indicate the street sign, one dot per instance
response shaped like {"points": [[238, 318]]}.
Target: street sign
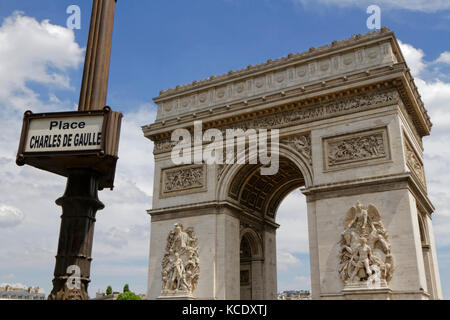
{"points": [[62, 141], [80, 133], [82, 146]]}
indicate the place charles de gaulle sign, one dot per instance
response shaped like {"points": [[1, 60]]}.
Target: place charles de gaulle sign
{"points": [[61, 141]]}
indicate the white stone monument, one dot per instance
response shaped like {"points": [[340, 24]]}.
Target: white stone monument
{"points": [[351, 123]]}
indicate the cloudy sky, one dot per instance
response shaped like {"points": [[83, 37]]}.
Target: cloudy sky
{"points": [[158, 44]]}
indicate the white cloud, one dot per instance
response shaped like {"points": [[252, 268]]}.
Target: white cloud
{"points": [[444, 57], [30, 52], [411, 5], [122, 230], [136, 152], [436, 96], [10, 216], [414, 58], [292, 236], [286, 260], [38, 52]]}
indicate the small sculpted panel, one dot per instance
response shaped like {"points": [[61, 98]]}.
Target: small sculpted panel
{"points": [[365, 147], [183, 179], [301, 144], [414, 162]]}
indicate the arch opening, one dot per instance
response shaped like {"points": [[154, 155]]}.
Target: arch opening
{"points": [[251, 265], [259, 198], [262, 195], [293, 258]]}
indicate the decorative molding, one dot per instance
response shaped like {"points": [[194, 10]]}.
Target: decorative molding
{"points": [[414, 162], [365, 259], [301, 114], [341, 57], [368, 147], [180, 264], [302, 144], [220, 170], [185, 179], [243, 92], [163, 146]]}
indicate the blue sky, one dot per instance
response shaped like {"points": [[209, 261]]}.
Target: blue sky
{"points": [[159, 44]]}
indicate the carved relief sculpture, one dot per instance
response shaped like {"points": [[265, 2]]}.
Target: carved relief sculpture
{"points": [[359, 148], [414, 163], [302, 144], [365, 255], [346, 151], [180, 265], [185, 179]]}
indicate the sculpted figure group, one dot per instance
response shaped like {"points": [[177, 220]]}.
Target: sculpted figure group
{"points": [[183, 179], [360, 148], [365, 254], [180, 265]]}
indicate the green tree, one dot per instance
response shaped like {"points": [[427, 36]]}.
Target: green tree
{"points": [[109, 291], [126, 288], [128, 296]]}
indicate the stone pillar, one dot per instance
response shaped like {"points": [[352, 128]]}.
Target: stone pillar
{"points": [[313, 249], [397, 210], [435, 282], [257, 279], [227, 278], [270, 264], [218, 246]]}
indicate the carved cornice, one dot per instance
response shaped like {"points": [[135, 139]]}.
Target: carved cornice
{"points": [[208, 208], [322, 71], [380, 183], [297, 113], [413, 104], [314, 92], [327, 73], [311, 53]]}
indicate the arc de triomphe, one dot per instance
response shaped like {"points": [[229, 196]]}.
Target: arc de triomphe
{"points": [[351, 123]]}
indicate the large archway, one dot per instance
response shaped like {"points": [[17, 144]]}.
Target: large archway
{"points": [[351, 124], [259, 198]]}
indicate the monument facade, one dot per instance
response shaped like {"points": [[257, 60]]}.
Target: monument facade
{"points": [[351, 123]]}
